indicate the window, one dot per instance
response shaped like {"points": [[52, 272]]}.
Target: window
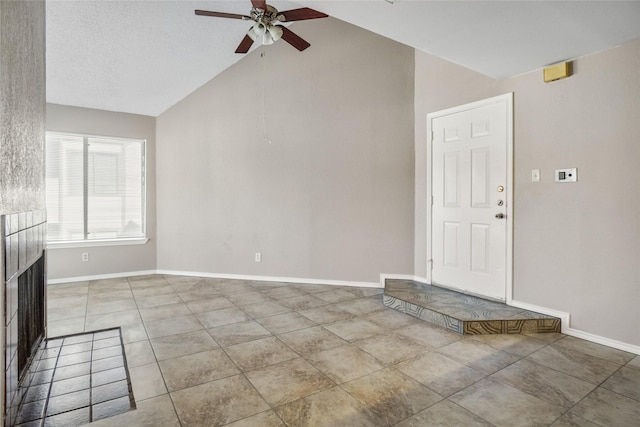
{"points": [[94, 188]]}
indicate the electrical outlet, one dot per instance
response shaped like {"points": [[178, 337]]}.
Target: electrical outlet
{"points": [[258, 257], [85, 256]]}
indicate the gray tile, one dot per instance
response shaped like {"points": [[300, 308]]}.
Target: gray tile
{"points": [[547, 384], [111, 307], [520, 345], [206, 305], [431, 336], [391, 348], [354, 329], [444, 413], [570, 420], [286, 322], [634, 363], [156, 411], [225, 316], [70, 385], [111, 408], [182, 344], [133, 333], [218, 402], [263, 419], [440, 373], [157, 300], [329, 408], [283, 292], [139, 353], [302, 302], [311, 340], [164, 312], [597, 350], [194, 369], [362, 306], [392, 319], [334, 295], [110, 320], [503, 405], [288, 381], [146, 291], [626, 381], [260, 353], [344, 363], [326, 314], [147, 381], [391, 395], [607, 408], [65, 327], [478, 355], [242, 300], [238, 333], [172, 326], [265, 309], [63, 313], [575, 363]]}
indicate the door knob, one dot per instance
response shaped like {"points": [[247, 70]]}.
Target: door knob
{"points": [[500, 215]]}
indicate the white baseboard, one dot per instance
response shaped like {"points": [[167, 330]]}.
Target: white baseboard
{"points": [[568, 330], [99, 277], [217, 276], [603, 340], [271, 278]]}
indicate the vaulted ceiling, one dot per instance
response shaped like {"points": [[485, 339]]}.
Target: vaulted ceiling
{"points": [[144, 56]]}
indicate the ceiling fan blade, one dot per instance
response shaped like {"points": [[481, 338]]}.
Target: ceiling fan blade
{"points": [[302, 14], [221, 14], [293, 39], [259, 4], [244, 45]]}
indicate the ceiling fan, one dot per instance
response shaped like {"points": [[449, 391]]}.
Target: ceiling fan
{"points": [[266, 29]]}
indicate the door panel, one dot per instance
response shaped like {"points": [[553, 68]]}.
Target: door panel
{"points": [[469, 168]]}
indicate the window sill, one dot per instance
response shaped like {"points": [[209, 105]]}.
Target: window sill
{"points": [[97, 243]]}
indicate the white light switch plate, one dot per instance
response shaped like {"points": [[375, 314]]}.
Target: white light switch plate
{"points": [[535, 175]]}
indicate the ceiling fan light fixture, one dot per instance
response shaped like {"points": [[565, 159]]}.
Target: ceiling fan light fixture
{"points": [[259, 28], [275, 32]]}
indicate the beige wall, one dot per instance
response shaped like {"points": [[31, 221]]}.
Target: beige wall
{"points": [[22, 100], [576, 246], [330, 197], [67, 263]]}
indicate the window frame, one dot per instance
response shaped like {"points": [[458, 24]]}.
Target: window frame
{"points": [[118, 241]]}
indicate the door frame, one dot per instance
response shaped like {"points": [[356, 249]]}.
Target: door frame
{"points": [[507, 99]]}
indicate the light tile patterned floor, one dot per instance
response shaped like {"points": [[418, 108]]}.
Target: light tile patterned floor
{"points": [[213, 352]]}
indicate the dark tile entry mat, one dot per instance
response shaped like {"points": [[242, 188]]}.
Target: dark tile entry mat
{"points": [[77, 379]]}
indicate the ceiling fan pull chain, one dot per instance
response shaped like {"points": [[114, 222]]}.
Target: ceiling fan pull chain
{"points": [[263, 55]]}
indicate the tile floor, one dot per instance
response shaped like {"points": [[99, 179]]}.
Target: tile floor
{"points": [[77, 379], [213, 352]]}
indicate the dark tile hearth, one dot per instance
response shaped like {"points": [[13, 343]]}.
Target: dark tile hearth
{"points": [[72, 385], [461, 313]]}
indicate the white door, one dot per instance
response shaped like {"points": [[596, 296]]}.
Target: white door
{"points": [[471, 179]]}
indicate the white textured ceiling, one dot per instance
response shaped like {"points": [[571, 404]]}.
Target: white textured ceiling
{"points": [[144, 56]]}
